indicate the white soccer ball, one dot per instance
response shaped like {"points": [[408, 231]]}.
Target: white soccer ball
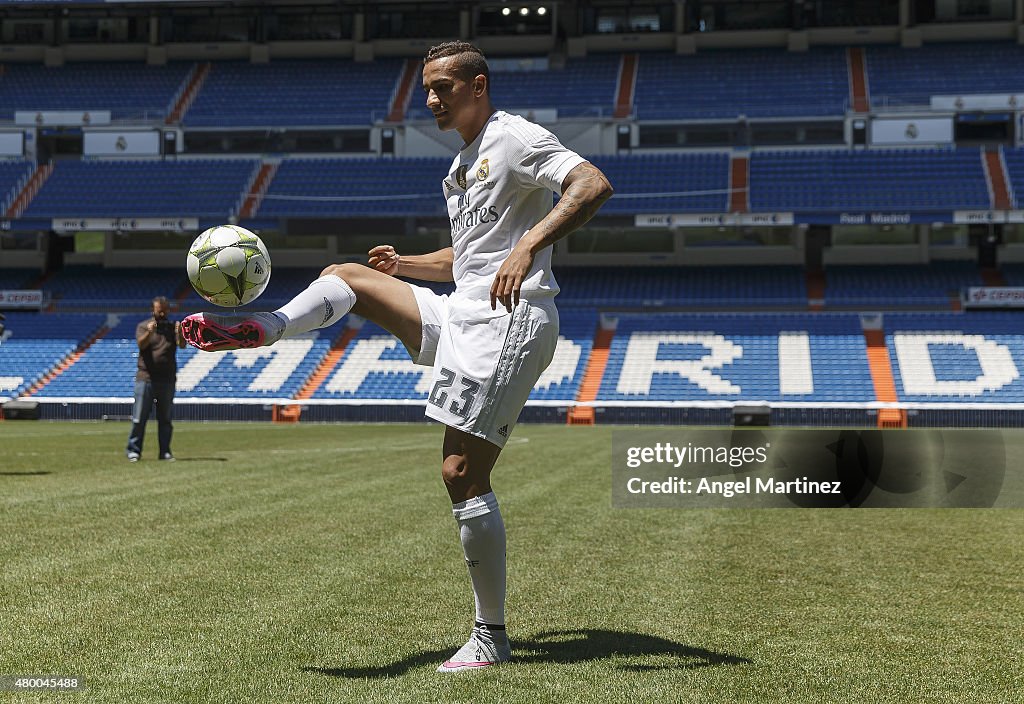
{"points": [[228, 265]]}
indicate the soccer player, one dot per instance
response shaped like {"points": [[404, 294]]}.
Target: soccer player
{"points": [[490, 340]]}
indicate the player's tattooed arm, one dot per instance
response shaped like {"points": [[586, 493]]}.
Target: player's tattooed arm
{"points": [[584, 191], [436, 266]]}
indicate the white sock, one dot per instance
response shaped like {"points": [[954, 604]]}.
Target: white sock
{"points": [[483, 541], [322, 304]]}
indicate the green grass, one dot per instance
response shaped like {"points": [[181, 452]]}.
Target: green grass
{"points": [[321, 564]]}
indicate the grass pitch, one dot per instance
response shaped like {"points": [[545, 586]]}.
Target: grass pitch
{"points": [[321, 563]]}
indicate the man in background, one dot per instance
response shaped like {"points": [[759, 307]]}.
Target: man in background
{"points": [[158, 339]]}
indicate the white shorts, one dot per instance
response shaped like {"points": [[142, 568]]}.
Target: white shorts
{"points": [[486, 362]]}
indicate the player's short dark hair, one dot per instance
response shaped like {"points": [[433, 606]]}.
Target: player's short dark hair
{"points": [[161, 300], [469, 64]]}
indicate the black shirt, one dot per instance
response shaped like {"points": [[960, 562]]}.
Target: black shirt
{"points": [[157, 360]]}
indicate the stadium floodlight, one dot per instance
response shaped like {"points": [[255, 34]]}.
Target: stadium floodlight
{"points": [[542, 10], [505, 12], [524, 11]]}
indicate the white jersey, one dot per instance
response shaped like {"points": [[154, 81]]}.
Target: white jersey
{"points": [[498, 188]]}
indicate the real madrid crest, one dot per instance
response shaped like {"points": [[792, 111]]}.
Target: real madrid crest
{"points": [[483, 171], [460, 176]]}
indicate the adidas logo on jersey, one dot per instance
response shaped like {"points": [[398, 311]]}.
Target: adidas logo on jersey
{"points": [[328, 311], [503, 431]]}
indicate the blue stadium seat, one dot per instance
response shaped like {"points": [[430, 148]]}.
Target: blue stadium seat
{"points": [[35, 343], [666, 183], [114, 288], [17, 278], [357, 187], [129, 90], [657, 286], [956, 357], [13, 175], [107, 369], [895, 285], [737, 357], [898, 179], [334, 92], [1014, 160], [719, 84], [144, 188], [899, 77], [584, 87]]}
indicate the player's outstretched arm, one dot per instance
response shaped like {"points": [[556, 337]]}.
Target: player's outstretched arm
{"points": [[584, 191], [436, 266]]}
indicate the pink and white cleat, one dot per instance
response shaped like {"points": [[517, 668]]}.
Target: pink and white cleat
{"points": [[213, 332], [484, 648]]}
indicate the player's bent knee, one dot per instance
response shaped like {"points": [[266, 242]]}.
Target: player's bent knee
{"points": [[355, 275], [347, 271]]}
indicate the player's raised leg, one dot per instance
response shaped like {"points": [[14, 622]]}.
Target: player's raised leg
{"points": [[341, 288], [466, 470]]}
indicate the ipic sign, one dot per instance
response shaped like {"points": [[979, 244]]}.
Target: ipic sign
{"points": [[787, 468]]}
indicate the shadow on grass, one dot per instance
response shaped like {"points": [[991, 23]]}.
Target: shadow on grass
{"points": [[565, 647], [24, 474], [200, 459]]}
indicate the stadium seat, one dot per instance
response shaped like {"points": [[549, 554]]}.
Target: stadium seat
{"points": [[144, 188]]}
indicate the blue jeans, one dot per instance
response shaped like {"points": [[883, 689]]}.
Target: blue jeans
{"points": [[146, 392]]}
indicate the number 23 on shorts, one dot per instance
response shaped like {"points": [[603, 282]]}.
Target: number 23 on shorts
{"points": [[439, 395]]}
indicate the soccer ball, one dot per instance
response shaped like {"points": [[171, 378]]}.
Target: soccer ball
{"points": [[228, 265]]}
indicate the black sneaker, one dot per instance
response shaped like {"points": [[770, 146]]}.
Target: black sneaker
{"points": [[167, 456]]}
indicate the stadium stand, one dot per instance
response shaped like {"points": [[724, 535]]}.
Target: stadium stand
{"points": [[1013, 274], [274, 372], [899, 179], [294, 93], [737, 357], [376, 366], [94, 286], [36, 343], [656, 356], [126, 189], [12, 174], [754, 83], [831, 180], [356, 187], [681, 286], [585, 87], [107, 368], [17, 278], [130, 91], [950, 358], [901, 77], [561, 380], [1014, 160], [684, 183], [408, 186], [895, 285]]}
